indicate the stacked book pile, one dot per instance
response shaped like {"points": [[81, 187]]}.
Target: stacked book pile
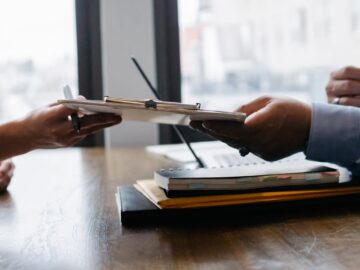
{"points": [[238, 185]]}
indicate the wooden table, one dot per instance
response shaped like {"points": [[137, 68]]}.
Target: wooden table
{"points": [[60, 213]]}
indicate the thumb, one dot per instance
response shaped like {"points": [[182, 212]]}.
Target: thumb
{"points": [[254, 105]]}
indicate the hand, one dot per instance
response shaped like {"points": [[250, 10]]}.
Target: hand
{"points": [[6, 173], [345, 85], [50, 127], [274, 127]]}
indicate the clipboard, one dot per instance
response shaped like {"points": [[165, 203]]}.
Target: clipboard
{"points": [[150, 110]]}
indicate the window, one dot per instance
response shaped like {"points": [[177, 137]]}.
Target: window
{"points": [[232, 51], [38, 54], [43, 46]]}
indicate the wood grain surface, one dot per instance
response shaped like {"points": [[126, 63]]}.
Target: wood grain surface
{"points": [[60, 213]]}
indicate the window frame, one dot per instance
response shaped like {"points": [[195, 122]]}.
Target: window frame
{"points": [[88, 32], [168, 65]]}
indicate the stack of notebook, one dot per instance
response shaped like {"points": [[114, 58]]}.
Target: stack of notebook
{"points": [[237, 185], [288, 174]]}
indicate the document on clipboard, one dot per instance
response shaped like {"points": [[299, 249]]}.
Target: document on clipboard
{"points": [[151, 110]]}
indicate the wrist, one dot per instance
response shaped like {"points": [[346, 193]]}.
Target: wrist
{"points": [[307, 126], [28, 138], [12, 142], [20, 135]]}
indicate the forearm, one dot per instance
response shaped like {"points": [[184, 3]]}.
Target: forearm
{"points": [[335, 135], [14, 140]]}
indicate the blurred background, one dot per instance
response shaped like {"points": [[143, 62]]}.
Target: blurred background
{"points": [[239, 49], [38, 53], [220, 53]]}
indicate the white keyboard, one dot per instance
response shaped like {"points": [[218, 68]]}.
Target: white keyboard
{"points": [[213, 154]]}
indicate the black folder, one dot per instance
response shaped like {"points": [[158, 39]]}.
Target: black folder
{"points": [[136, 210]]}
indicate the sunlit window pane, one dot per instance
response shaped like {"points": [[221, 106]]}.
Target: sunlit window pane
{"points": [[235, 50], [37, 53]]}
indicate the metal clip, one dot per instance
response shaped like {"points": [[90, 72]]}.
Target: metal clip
{"points": [[150, 104]]}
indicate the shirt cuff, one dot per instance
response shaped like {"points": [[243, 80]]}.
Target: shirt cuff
{"points": [[334, 134]]}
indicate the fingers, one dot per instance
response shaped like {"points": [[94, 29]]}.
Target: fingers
{"points": [[6, 166], [74, 140], [346, 73], [91, 126], [95, 128], [4, 183], [198, 125], [62, 112], [63, 134], [338, 88], [255, 105], [344, 83], [89, 121], [229, 132], [221, 128], [77, 137], [6, 173], [99, 119], [350, 101]]}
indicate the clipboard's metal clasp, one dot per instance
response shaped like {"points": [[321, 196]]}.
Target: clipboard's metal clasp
{"points": [[150, 104]]}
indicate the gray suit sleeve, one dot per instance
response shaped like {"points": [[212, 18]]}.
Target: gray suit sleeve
{"points": [[335, 136]]}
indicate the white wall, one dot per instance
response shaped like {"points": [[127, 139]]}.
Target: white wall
{"points": [[127, 29]]}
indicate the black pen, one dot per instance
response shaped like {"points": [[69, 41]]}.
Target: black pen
{"points": [[74, 117], [177, 130]]}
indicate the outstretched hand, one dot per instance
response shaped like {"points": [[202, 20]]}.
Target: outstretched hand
{"points": [[49, 127], [274, 127]]}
